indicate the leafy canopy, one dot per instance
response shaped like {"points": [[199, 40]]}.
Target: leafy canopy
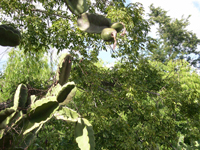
{"points": [[30, 69]]}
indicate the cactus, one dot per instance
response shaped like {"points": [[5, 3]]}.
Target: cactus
{"points": [[64, 68], [65, 91], [77, 7], [1, 133], [93, 23], [5, 116], [19, 127], [46, 106], [67, 114], [32, 99], [9, 36], [84, 134], [21, 96]]}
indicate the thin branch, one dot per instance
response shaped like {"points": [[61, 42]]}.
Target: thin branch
{"points": [[45, 12], [152, 93]]}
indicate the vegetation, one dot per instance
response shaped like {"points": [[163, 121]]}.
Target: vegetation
{"points": [[148, 100], [30, 69]]}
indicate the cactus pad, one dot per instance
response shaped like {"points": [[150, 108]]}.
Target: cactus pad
{"points": [[67, 114], [5, 116], [93, 23], [65, 91], [9, 36], [84, 135], [64, 68], [77, 7], [20, 97], [40, 112]]}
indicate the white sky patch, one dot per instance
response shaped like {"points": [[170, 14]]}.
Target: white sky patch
{"points": [[177, 9], [110, 65], [4, 56]]}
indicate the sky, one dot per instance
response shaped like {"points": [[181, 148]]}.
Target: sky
{"points": [[175, 8]]}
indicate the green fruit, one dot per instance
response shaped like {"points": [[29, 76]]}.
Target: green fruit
{"points": [[9, 36], [109, 34], [118, 26], [93, 23], [77, 7]]}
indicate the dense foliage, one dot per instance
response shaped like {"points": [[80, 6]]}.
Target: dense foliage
{"points": [[148, 100], [176, 42], [30, 69]]}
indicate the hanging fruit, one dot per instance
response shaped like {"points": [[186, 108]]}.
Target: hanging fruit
{"points": [[109, 35], [77, 7], [9, 36], [118, 26], [93, 23]]}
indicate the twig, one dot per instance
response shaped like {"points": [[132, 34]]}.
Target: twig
{"points": [[45, 12], [124, 29]]}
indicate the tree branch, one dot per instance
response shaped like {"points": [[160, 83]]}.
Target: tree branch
{"points": [[45, 12]]}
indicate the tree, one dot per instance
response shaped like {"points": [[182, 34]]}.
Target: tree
{"points": [[175, 40], [143, 107], [30, 69], [55, 26]]}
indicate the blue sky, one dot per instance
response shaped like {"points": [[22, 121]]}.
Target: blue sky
{"points": [[197, 4], [175, 9]]}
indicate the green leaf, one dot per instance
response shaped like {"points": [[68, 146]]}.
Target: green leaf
{"points": [[6, 141], [29, 138]]}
